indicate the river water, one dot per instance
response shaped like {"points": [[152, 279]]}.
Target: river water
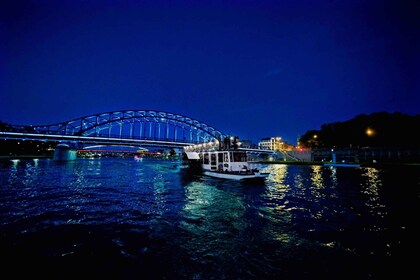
{"points": [[127, 219]]}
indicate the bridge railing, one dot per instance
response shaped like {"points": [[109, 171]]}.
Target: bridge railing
{"points": [[29, 130], [98, 137]]}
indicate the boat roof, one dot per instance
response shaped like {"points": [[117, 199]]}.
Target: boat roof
{"points": [[192, 155]]}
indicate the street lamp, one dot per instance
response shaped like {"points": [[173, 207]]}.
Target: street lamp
{"points": [[370, 132]]}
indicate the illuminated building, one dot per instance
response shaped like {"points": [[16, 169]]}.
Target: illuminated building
{"points": [[272, 143]]}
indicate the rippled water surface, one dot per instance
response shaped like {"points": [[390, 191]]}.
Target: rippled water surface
{"points": [[150, 219]]}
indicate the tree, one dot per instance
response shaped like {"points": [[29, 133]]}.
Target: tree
{"points": [[375, 130]]}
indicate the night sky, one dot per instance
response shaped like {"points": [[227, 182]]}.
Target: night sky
{"points": [[253, 69]]}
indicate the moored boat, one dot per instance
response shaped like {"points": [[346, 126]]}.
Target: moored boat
{"points": [[224, 163]]}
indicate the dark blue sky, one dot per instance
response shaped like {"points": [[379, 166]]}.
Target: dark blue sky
{"points": [[249, 68]]}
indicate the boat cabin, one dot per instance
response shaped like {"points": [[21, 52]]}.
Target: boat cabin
{"points": [[225, 162], [222, 161]]}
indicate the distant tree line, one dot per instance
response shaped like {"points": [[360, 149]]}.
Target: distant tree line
{"points": [[374, 130], [5, 127]]}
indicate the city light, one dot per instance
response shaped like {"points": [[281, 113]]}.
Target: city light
{"points": [[370, 132]]}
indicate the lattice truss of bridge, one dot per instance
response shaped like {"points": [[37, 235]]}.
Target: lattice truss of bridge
{"points": [[131, 124]]}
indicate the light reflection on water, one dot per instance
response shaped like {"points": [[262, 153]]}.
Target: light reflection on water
{"points": [[333, 175], [277, 188], [371, 189], [317, 178], [314, 216], [212, 223]]}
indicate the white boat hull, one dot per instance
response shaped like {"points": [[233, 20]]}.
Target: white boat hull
{"points": [[236, 176]]}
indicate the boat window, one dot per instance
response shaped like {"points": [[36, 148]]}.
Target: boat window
{"points": [[220, 157], [225, 157], [239, 157], [213, 159], [206, 158]]}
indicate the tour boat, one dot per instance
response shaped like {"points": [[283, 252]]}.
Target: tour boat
{"points": [[224, 163]]}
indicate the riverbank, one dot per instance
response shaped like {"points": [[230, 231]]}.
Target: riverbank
{"points": [[290, 162], [378, 164], [24, 157]]}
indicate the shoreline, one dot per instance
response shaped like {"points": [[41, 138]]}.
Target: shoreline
{"points": [[378, 164], [25, 157]]}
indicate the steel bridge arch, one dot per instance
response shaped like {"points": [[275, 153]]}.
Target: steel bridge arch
{"points": [[134, 124]]}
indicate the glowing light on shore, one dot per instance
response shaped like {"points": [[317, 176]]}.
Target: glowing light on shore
{"points": [[370, 132]]}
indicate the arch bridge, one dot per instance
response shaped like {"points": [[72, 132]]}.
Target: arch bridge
{"points": [[129, 127]]}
